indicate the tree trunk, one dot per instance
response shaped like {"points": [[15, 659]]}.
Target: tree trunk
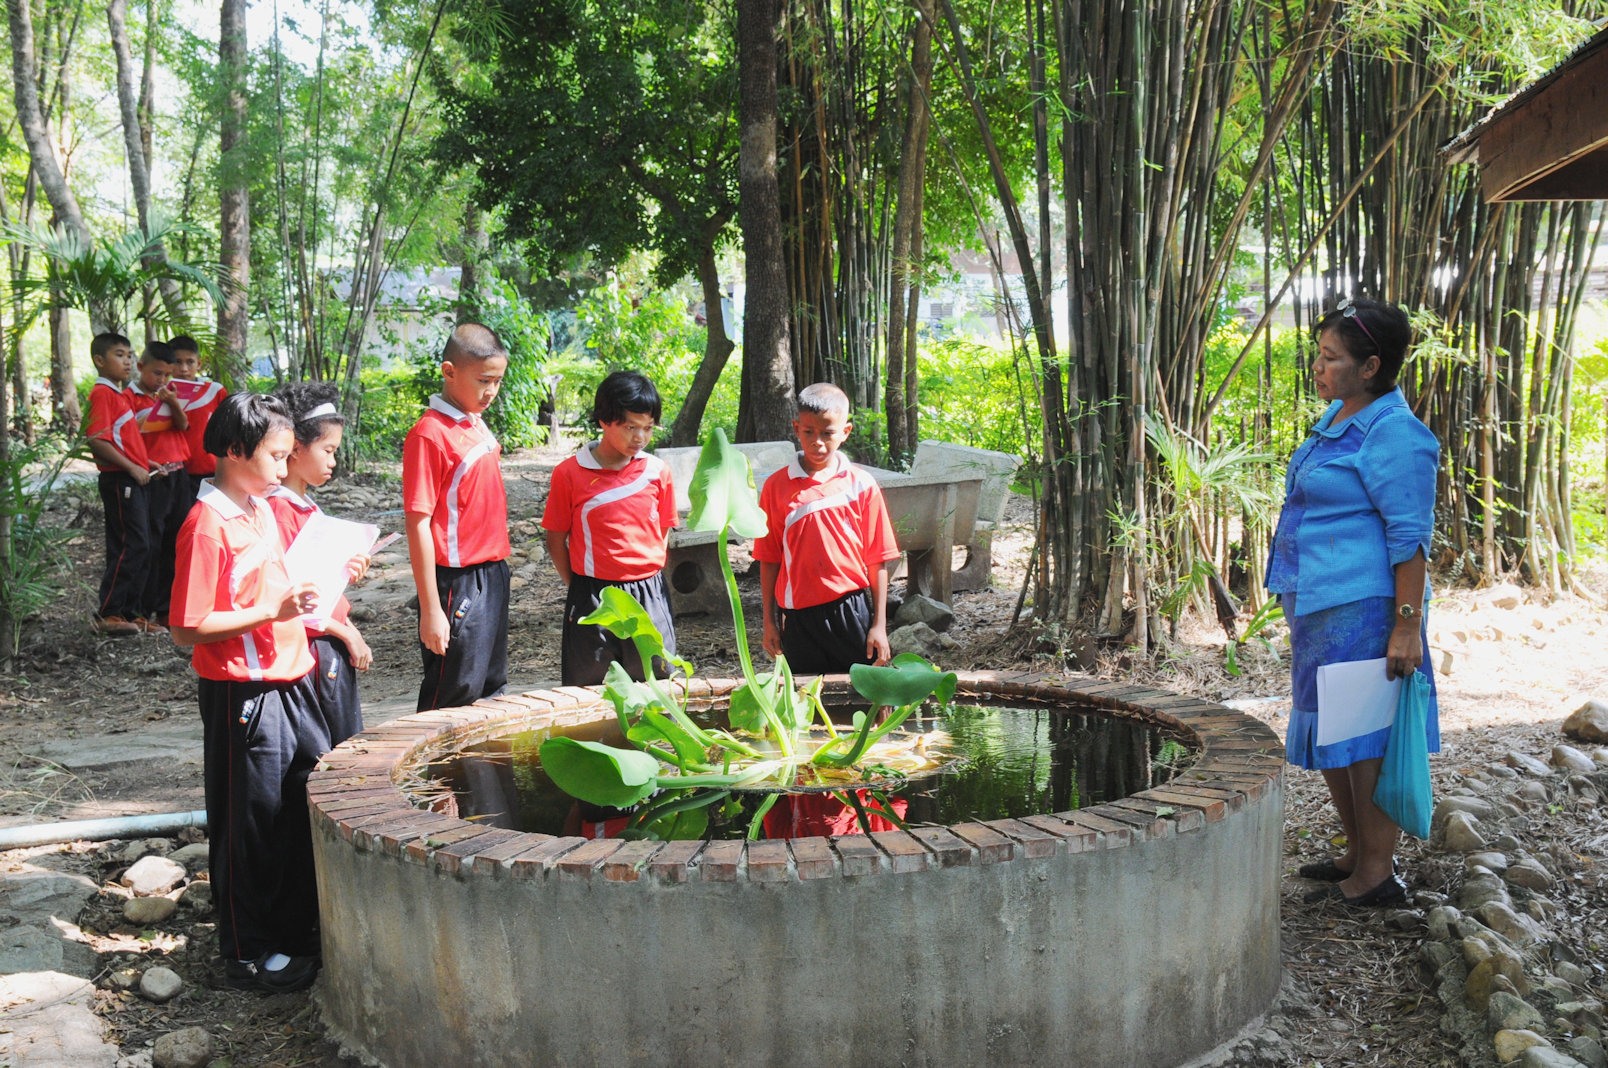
{"points": [[30, 117], [765, 409], [136, 145], [230, 362], [907, 218], [717, 350], [474, 250]]}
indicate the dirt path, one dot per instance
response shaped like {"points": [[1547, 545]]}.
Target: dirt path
{"points": [[93, 727]]}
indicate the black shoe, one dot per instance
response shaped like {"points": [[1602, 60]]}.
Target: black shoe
{"points": [[254, 974], [1389, 892], [1324, 871]]}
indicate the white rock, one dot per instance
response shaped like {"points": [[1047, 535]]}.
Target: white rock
{"points": [[1510, 1045], [160, 984], [153, 875], [144, 911], [1589, 722], [1569, 758], [1505, 596], [1474, 806], [189, 1048], [1546, 1057], [1496, 862], [1533, 791], [1520, 930]]}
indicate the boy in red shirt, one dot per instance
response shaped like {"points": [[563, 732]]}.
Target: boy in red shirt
{"points": [[234, 602], [457, 524], [821, 562], [200, 399], [162, 421], [125, 471], [609, 511]]}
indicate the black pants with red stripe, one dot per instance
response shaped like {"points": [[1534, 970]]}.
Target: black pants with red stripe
{"points": [[170, 497], [475, 599], [260, 742], [828, 639], [128, 545], [335, 681]]}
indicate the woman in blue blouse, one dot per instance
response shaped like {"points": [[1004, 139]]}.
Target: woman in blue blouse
{"points": [[1348, 563]]}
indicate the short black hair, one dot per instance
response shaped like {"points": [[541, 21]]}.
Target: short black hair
{"points": [[625, 391], [823, 398], [185, 343], [304, 398], [242, 421], [160, 351], [1367, 327], [101, 344], [471, 341]]}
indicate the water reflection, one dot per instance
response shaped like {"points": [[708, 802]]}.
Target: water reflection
{"points": [[1019, 762]]}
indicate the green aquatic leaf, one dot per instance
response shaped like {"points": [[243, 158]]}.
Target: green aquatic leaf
{"points": [[751, 703], [628, 696], [656, 726], [722, 491], [906, 680], [598, 773], [624, 617]]}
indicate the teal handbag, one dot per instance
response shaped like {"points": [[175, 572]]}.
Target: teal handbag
{"points": [[1403, 791]]}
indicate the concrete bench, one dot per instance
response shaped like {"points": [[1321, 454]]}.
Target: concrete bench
{"points": [[935, 459]]}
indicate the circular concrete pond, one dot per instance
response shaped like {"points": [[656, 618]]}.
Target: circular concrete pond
{"points": [[1143, 931]]}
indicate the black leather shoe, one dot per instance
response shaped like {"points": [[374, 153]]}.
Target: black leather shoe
{"points": [[254, 974], [1324, 871]]}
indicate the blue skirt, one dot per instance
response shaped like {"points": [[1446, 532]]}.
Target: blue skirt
{"points": [[1359, 630]]}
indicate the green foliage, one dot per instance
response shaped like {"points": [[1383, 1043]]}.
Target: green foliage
{"points": [[34, 565], [652, 334], [971, 394]]}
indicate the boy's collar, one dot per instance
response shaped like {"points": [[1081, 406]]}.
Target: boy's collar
{"points": [[222, 503], [450, 410], [102, 380], [836, 464], [587, 459]]}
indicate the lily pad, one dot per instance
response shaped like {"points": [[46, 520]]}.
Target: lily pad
{"points": [[906, 679]]}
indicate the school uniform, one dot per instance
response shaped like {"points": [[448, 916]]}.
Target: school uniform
{"points": [[617, 523], [827, 531], [200, 399], [168, 495], [128, 519], [334, 677], [450, 472], [262, 731]]}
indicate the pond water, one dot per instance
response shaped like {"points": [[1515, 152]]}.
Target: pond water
{"points": [[1007, 762]]}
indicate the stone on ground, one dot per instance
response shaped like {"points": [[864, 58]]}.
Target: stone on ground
{"points": [[920, 639], [192, 856], [1528, 764], [153, 875], [1569, 758], [188, 1048], [1512, 1013], [1510, 1045], [1462, 833], [920, 608], [1546, 1057], [144, 911], [160, 984], [1589, 722]]}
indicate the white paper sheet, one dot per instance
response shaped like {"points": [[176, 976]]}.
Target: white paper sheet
{"points": [[1355, 698], [320, 553]]}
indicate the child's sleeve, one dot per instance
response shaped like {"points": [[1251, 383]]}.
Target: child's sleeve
{"points": [[877, 538], [101, 417], [556, 515], [768, 549], [197, 576], [669, 518], [422, 473]]}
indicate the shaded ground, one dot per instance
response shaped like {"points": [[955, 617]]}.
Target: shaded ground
{"points": [[1354, 994]]}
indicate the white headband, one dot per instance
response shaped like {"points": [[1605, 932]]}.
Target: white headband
{"points": [[319, 410]]}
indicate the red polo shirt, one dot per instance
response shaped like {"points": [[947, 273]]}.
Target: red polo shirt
{"points": [[617, 521], [291, 512], [163, 443], [450, 473], [827, 531], [230, 558], [111, 418], [200, 400]]}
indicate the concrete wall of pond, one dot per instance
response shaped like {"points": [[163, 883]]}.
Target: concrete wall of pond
{"points": [[1139, 933]]}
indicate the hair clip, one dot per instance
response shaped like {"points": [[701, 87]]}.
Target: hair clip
{"points": [[1348, 309]]}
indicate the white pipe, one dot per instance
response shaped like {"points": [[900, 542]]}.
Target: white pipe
{"points": [[162, 823]]}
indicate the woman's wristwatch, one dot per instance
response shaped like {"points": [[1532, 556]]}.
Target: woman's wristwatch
{"points": [[1408, 611]]}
